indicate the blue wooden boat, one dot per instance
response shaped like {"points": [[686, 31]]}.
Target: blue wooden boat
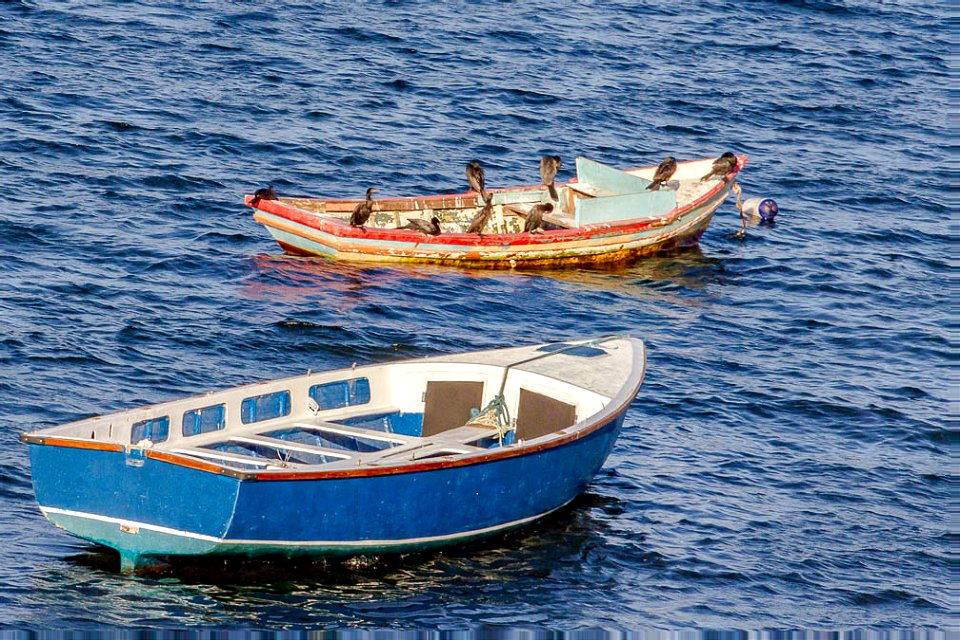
{"points": [[373, 459]]}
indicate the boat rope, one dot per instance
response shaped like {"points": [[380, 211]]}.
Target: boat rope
{"points": [[743, 219], [496, 415]]}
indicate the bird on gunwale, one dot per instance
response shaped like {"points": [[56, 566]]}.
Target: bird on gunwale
{"points": [[534, 221], [549, 166], [721, 166], [483, 216], [475, 177], [664, 172], [361, 212], [431, 228], [264, 193]]}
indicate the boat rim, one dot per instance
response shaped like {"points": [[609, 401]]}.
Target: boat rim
{"points": [[617, 405], [340, 227]]}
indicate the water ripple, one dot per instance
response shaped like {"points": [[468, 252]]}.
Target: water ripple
{"points": [[786, 463]]}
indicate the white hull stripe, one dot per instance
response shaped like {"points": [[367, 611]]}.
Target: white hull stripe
{"points": [[128, 523], [292, 543]]}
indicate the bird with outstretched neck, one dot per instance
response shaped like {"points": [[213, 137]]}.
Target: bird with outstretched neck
{"points": [[721, 167], [664, 172], [475, 177], [534, 222], [431, 228], [549, 166], [483, 217], [361, 212]]}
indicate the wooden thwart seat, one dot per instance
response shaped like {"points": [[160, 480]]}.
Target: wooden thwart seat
{"points": [[448, 409], [557, 218], [354, 431], [294, 446], [589, 190], [210, 455]]}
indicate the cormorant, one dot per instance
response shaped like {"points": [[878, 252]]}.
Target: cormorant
{"points": [[431, 228], [361, 212], [535, 217], [721, 166], [549, 166], [475, 178], [664, 172], [265, 193], [483, 216]]}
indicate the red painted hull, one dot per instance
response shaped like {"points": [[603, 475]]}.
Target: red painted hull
{"points": [[305, 232]]}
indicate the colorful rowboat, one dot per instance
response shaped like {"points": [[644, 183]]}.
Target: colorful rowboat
{"points": [[603, 216], [367, 460]]}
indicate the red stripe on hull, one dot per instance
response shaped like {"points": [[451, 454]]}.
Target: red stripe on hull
{"points": [[595, 244]]}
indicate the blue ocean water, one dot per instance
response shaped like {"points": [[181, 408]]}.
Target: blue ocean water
{"points": [[786, 463]]}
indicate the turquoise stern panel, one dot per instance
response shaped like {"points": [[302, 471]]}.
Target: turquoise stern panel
{"points": [[621, 196], [626, 207], [608, 179]]}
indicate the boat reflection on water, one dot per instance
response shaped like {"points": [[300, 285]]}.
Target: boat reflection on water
{"points": [[292, 278], [647, 277], [344, 285]]}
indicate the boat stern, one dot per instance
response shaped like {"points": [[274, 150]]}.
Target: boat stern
{"points": [[119, 497]]}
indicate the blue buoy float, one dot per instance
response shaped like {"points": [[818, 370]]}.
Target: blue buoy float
{"points": [[764, 208]]}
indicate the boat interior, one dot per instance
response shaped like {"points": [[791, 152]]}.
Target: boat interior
{"points": [[600, 193], [375, 415]]}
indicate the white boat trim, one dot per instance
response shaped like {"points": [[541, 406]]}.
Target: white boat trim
{"points": [[127, 524], [133, 526], [593, 387]]}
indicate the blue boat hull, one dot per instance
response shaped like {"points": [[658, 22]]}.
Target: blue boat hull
{"points": [[148, 508]]}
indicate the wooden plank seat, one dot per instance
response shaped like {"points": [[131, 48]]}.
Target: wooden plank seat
{"points": [[429, 449], [258, 438], [446, 442], [454, 440], [294, 446], [415, 205], [589, 190], [558, 219], [210, 455], [562, 220], [464, 434], [353, 431], [336, 455]]}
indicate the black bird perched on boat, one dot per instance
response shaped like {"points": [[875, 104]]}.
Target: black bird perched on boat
{"points": [[663, 173], [721, 166], [535, 217], [361, 212], [549, 166], [483, 217], [431, 228], [475, 178], [265, 193]]}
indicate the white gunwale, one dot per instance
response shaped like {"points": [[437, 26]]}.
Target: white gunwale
{"points": [[598, 387]]}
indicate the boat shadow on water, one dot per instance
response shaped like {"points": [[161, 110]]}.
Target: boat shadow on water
{"points": [[346, 285], [574, 534]]}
